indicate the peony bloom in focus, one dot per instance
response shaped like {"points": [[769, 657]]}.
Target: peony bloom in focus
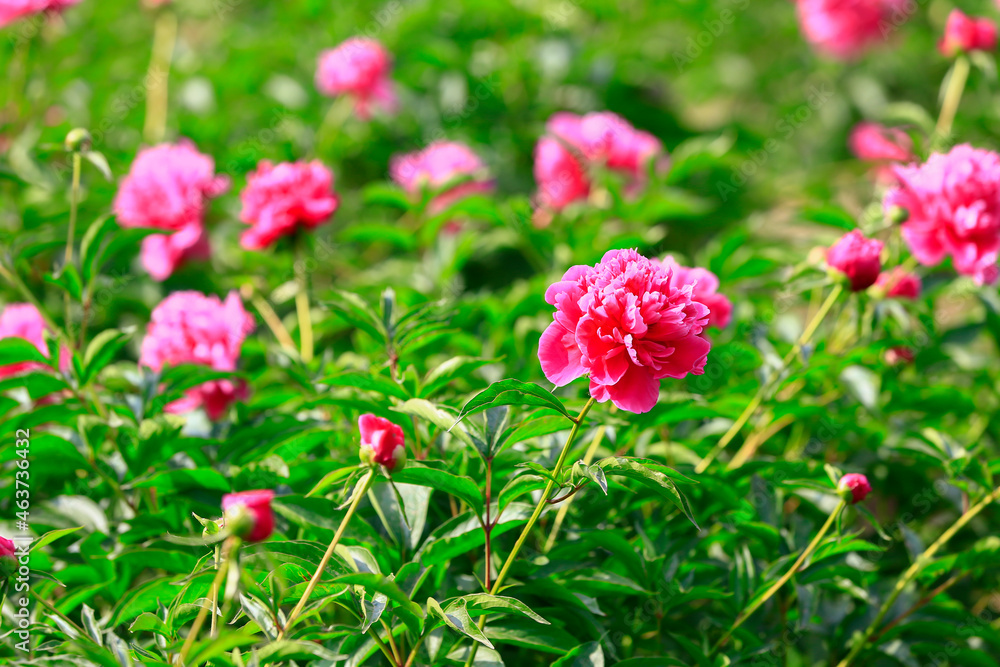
{"points": [[953, 207], [358, 67], [280, 199], [22, 320], [8, 558], [854, 487], [441, 164], [899, 283], [191, 328], [706, 286], [964, 33], [845, 29], [381, 442], [857, 257], [168, 187], [576, 144], [249, 514], [627, 324], [12, 10]]}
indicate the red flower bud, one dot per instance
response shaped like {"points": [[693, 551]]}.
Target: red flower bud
{"points": [[249, 514], [854, 487], [858, 258], [8, 558], [965, 33], [381, 442]]}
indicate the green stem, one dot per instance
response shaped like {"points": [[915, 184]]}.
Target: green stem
{"points": [[199, 620], [302, 301], [758, 398], [65, 619], [397, 658], [413, 653], [382, 647], [914, 570], [952, 97], [542, 502], [359, 492], [755, 605], [164, 38], [564, 509], [74, 203]]}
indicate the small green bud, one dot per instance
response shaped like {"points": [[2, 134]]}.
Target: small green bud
{"points": [[78, 140]]}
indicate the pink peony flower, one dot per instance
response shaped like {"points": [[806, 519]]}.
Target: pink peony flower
{"points": [[167, 188], [249, 513], [899, 283], [441, 164], [895, 356], [381, 442], [706, 286], [358, 67], [280, 199], [22, 320], [845, 29], [871, 141], [953, 207], [854, 487], [191, 328], [963, 34], [575, 144], [12, 10], [858, 257], [628, 324], [8, 558]]}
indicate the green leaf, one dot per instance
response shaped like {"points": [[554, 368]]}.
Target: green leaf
{"points": [[454, 368], [410, 613], [376, 383], [457, 618], [512, 392], [460, 487], [14, 350], [52, 536], [584, 655], [101, 351], [149, 622], [485, 602], [625, 467], [437, 415]]}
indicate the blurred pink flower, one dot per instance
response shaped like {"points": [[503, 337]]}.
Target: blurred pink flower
{"points": [[953, 207], [382, 442], [167, 188], [252, 508], [899, 283], [22, 320], [574, 144], [358, 67], [845, 29], [854, 487], [623, 323], [706, 290], [858, 257], [441, 164], [8, 559], [896, 356], [12, 10], [964, 33], [192, 328], [876, 143], [280, 199]]}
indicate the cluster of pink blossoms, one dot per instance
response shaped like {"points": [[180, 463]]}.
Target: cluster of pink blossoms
{"points": [[964, 33], [167, 188], [953, 207], [574, 145], [439, 165], [627, 324], [12, 10], [359, 67], [191, 328], [845, 29], [22, 320], [280, 199]]}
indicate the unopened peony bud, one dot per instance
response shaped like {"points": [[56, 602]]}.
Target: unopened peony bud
{"points": [[8, 558], [965, 33], [858, 258], [381, 442], [853, 487], [249, 514], [79, 139]]}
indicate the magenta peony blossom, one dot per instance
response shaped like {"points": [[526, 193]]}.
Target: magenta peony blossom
{"points": [[441, 164], [12, 10], [576, 144], [22, 320], [854, 487], [899, 283], [8, 558], [279, 199], [845, 29], [858, 257], [168, 188], [628, 324], [382, 442], [964, 33], [706, 291], [191, 328], [358, 67], [953, 207], [250, 513]]}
